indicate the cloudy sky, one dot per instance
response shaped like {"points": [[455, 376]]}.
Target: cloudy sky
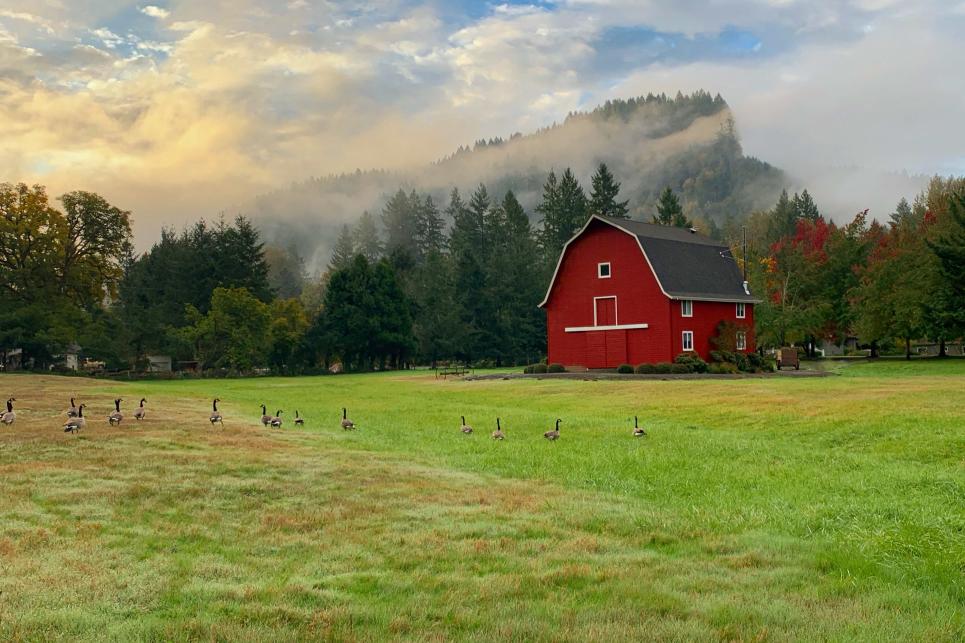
{"points": [[178, 109]]}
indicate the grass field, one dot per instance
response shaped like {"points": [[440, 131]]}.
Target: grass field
{"points": [[758, 509]]}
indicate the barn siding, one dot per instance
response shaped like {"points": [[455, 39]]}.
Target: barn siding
{"points": [[639, 301]]}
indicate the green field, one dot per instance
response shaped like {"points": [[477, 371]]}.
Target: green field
{"points": [[756, 509]]}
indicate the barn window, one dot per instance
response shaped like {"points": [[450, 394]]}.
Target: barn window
{"points": [[741, 341], [686, 308], [688, 340], [740, 310], [603, 270]]}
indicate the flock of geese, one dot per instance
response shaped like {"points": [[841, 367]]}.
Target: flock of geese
{"points": [[76, 420]]}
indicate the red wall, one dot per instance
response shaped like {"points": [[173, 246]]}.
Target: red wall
{"points": [[639, 301]]}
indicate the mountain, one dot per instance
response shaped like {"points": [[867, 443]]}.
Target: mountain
{"points": [[688, 142]]}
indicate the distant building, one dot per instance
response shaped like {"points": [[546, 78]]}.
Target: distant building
{"points": [[159, 363], [626, 292]]}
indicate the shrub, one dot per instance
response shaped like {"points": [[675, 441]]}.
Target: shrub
{"points": [[722, 368], [662, 367], [723, 357], [539, 368], [528, 369], [680, 369], [624, 368], [755, 361], [741, 360], [555, 368], [644, 369], [693, 360]]}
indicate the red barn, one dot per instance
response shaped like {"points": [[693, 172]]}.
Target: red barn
{"points": [[626, 292]]}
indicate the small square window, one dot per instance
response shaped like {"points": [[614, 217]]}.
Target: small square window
{"points": [[741, 311], [741, 341], [688, 340], [603, 270], [686, 308]]}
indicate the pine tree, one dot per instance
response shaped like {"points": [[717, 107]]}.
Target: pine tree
{"points": [[783, 219], [366, 238], [603, 199], [564, 210], [344, 250], [400, 218], [949, 248], [805, 207], [902, 213], [431, 234], [669, 210]]}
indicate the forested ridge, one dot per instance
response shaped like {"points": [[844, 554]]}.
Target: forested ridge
{"points": [[686, 142]]}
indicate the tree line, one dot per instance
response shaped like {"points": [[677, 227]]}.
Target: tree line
{"points": [[881, 285], [422, 282]]}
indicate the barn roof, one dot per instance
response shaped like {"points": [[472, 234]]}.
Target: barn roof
{"points": [[687, 265]]}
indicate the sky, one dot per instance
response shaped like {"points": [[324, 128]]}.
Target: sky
{"points": [[178, 109]]}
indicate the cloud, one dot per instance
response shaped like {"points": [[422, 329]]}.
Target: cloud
{"points": [[186, 109], [155, 12]]}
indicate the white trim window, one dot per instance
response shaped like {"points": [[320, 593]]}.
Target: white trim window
{"points": [[741, 340], [741, 310], [603, 270], [686, 308], [687, 340]]}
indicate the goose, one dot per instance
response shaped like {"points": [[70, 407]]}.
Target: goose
{"points": [[299, 421], [347, 424], [75, 424], [140, 411], [72, 411], [498, 433], [265, 418], [215, 415], [637, 431], [8, 417], [116, 417], [465, 427], [276, 420], [555, 433]]}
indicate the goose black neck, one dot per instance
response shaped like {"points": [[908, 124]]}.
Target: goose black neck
{"points": [[117, 405], [463, 419], [214, 405], [9, 406], [557, 424], [498, 428], [635, 424], [344, 414]]}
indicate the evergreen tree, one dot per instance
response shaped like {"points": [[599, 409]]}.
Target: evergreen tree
{"points": [[366, 238], [902, 213], [603, 198], [949, 248], [669, 210], [431, 229], [344, 250], [805, 207], [401, 220], [564, 210], [783, 219]]}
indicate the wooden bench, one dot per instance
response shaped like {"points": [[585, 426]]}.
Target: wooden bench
{"points": [[446, 371], [789, 357]]}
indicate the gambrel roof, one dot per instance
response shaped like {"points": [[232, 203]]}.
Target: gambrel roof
{"points": [[686, 264]]}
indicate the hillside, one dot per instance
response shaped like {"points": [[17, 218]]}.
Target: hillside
{"points": [[687, 142]]}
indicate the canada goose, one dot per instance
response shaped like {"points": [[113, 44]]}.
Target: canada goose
{"points": [[498, 433], [637, 431], [555, 433], [465, 427], [299, 421], [140, 411], [72, 411], [265, 418], [116, 417], [8, 417], [347, 424], [215, 415], [276, 420], [75, 424]]}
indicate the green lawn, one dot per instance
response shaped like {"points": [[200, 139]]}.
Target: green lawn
{"points": [[756, 509]]}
